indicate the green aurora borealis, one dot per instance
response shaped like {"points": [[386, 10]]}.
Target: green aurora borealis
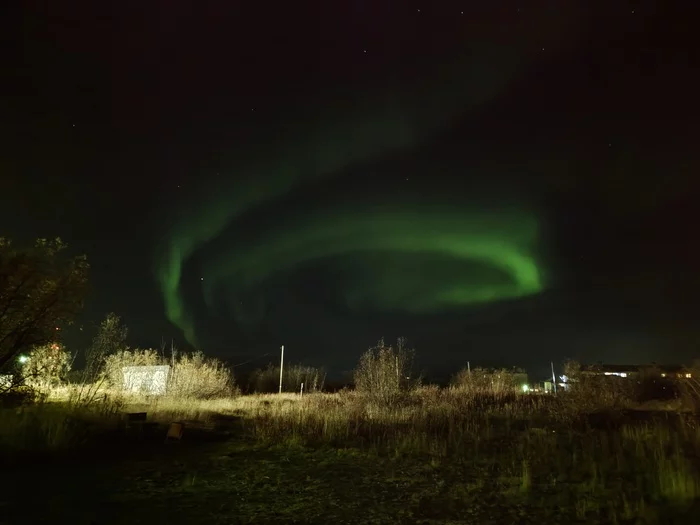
{"points": [[390, 254], [405, 261]]}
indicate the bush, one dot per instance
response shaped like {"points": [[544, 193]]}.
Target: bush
{"points": [[487, 381], [114, 364], [191, 375], [197, 376], [590, 392], [384, 372], [109, 340], [47, 366]]}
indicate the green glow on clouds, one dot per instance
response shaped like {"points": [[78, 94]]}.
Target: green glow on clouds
{"points": [[408, 261]]}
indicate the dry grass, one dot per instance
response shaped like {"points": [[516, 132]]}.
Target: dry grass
{"points": [[480, 380], [609, 459], [599, 462], [54, 426], [266, 380]]}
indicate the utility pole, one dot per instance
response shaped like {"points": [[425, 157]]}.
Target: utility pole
{"points": [[469, 368], [398, 379], [281, 367], [554, 378]]}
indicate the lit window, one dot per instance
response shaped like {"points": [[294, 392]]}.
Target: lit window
{"points": [[688, 376], [663, 375]]}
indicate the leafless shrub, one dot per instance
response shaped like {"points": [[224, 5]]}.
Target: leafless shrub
{"points": [[110, 339], [384, 372], [489, 381], [199, 377], [115, 363], [191, 375], [588, 392]]}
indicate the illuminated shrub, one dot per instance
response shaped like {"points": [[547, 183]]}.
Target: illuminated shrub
{"points": [[198, 376], [384, 372], [46, 366], [115, 363], [191, 375]]}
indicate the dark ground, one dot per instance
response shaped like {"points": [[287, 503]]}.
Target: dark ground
{"points": [[218, 476]]}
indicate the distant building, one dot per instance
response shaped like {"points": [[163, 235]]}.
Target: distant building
{"points": [[667, 371], [548, 385], [149, 380]]}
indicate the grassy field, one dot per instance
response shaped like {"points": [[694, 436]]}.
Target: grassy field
{"points": [[430, 456]]}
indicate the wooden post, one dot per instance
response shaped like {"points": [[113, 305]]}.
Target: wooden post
{"points": [[301, 394], [281, 367], [398, 380], [554, 378]]}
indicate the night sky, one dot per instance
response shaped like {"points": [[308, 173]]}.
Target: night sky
{"points": [[498, 182]]}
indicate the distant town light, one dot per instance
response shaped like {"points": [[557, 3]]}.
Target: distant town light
{"points": [[23, 359], [619, 374], [526, 388]]}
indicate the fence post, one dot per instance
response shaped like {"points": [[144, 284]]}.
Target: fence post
{"points": [[281, 367]]}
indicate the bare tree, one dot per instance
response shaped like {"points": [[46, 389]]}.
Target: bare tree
{"points": [[40, 291], [384, 372], [110, 339]]}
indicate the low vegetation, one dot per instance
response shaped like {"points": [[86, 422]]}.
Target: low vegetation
{"points": [[267, 380], [384, 374], [480, 380], [477, 448]]}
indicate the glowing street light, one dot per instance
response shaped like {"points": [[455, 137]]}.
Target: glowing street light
{"points": [[526, 388], [23, 359]]}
